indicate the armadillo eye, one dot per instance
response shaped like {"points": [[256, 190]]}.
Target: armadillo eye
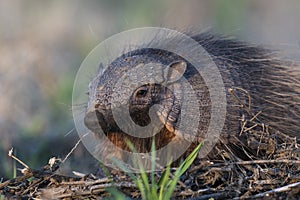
{"points": [[141, 92]]}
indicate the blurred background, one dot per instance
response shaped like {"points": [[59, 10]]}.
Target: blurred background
{"points": [[42, 44]]}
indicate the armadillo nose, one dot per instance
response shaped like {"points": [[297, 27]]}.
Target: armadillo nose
{"points": [[97, 118], [91, 120]]}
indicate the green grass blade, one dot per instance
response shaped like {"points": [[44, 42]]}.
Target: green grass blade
{"points": [[188, 161], [115, 194], [163, 181], [181, 169]]}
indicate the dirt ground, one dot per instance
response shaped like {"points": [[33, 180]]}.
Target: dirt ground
{"points": [[257, 163]]}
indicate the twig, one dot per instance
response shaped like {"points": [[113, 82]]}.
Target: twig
{"points": [[87, 183], [255, 116], [259, 162], [277, 190], [247, 108], [73, 149], [10, 154]]}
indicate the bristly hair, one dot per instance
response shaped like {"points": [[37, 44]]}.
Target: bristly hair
{"points": [[273, 83]]}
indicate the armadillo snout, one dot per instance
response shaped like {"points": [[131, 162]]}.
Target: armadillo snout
{"points": [[92, 120], [100, 120]]}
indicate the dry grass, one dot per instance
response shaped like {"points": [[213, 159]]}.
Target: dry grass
{"points": [[259, 163]]}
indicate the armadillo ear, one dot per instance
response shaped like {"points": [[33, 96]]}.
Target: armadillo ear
{"points": [[174, 71], [100, 68]]}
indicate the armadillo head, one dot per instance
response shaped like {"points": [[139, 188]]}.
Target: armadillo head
{"points": [[129, 90]]}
